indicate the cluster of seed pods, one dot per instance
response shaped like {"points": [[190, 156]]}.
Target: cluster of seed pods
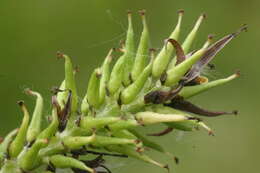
{"points": [[144, 87]]}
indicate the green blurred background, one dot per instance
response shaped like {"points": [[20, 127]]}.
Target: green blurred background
{"points": [[32, 31]]}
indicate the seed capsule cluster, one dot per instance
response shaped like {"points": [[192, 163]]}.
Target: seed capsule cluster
{"points": [[142, 88]]}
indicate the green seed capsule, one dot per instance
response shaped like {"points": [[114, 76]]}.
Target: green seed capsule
{"points": [[90, 123], [55, 147], [116, 77], [142, 51], [52, 128], [29, 159], [124, 134], [102, 141], [163, 58], [60, 161], [78, 141], [147, 118], [187, 125], [35, 125], [130, 93], [123, 124], [105, 77], [190, 91], [92, 96], [130, 151], [6, 143], [190, 38], [129, 51], [62, 95], [19, 141], [174, 75], [70, 83]]}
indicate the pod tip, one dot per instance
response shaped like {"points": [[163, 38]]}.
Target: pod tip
{"points": [[238, 73], [211, 36], [60, 54], [142, 12], [180, 12], [20, 103], [203, 15], [235, 112], [28, 91], [129, 12], [98, 73], [152, 50], [211, 133]]}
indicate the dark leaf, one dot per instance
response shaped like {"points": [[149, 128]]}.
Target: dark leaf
{"points": [[178, 49], [189, 107]]}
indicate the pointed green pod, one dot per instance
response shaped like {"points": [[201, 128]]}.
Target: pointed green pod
{"points": [[62, 95], [6, 143], [102, 141], [92, 95], [163, 58], [123, 124], [190, 91], [147, 118], [78, 141], [129, 51], [89, 123], [175, 75], [70, 82], [20, 139], [130, 151], [53, 148], [124, 134], [187, 125], [105, 77], [29, 159], [116, 76], [35, 125], [142, 51], [191, 36], [130, 93], [52, 128], [60, 161]]}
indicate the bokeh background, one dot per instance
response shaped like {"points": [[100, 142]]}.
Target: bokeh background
{"points": [[32, 31]]}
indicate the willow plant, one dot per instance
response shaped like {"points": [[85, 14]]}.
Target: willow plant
{"points": [[143, 88]]}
